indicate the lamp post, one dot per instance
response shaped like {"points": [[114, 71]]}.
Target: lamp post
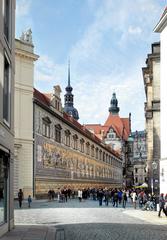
{"points": [[154, 167]]}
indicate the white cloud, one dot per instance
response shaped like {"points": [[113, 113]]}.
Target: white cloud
{"points": [[134, 30], [22, 7], [97, 68]]}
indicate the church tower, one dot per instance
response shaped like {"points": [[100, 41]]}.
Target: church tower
{"points": [[114, 109], [68, 99]]}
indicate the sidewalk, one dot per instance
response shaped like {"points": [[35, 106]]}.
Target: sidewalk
{"points": [[148, 216], [34, 232]]}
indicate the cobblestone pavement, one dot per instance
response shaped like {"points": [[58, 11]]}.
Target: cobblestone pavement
{"points": [[88, 221]]}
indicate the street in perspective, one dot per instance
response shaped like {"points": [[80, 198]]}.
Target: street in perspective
{"points": [[83, 118]]}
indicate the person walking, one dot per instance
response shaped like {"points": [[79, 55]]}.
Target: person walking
{"points": [[134, 199], [115, 199], [29, 201], [80, 195], [124, 199], [162, 205], [100, 196], [106, 196], [20, 197]]}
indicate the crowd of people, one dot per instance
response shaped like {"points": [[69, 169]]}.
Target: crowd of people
{"points": [[113, 196]]}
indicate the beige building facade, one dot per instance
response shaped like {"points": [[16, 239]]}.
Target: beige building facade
{"points": [[151, 76], [7, 69], [23, 144]]}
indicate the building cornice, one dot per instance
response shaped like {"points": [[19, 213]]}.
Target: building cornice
{"points": [[26, 54], [161, 24]]}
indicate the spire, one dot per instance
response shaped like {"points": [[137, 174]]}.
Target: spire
{"points": [[114, 109], [69, 97], [69, 73], [69, 88]]}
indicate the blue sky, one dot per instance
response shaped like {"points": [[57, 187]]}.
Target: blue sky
{"points": [[107, 42]]}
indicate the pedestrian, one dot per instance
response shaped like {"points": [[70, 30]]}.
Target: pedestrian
{"points": [[20, 197], [80, 195], [124, 199], [100, 196], [134, 199], [29, 201], [115, 199], [106, 196], [162, 205]]}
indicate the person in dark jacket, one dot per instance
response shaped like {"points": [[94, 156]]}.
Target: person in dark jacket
{"points": [[100, 196], [162, 205], [20, 197]]}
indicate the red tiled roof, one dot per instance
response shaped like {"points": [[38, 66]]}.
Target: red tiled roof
{"points": [[41, 97], [119, 125], [48, 95]]}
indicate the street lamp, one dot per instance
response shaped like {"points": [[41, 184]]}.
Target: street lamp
{"points": [[154, 167]]}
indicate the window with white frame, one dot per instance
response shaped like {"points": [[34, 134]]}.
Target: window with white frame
{"points": [[46, 127]]}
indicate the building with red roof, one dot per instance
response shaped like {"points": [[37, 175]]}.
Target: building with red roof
{"points": [[115, 132], [66, 153]]}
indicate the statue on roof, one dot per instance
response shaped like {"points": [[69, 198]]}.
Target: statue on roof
{"points": [[26, 36]]}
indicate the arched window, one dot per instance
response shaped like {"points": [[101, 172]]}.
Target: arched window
{"points": [[75, 139], [82, 145], [87, 148], [92, 150]]}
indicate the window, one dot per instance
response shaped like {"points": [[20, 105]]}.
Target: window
{"points": [[92, 150], [6, 92], [87, 148], [7, 27], [104, 157], [75, 139], [136, 170], [67, 138], [136, 180], [58, 133], [100, 154], [82, 145], [111, 135], [97, 155], [46, 127]]}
